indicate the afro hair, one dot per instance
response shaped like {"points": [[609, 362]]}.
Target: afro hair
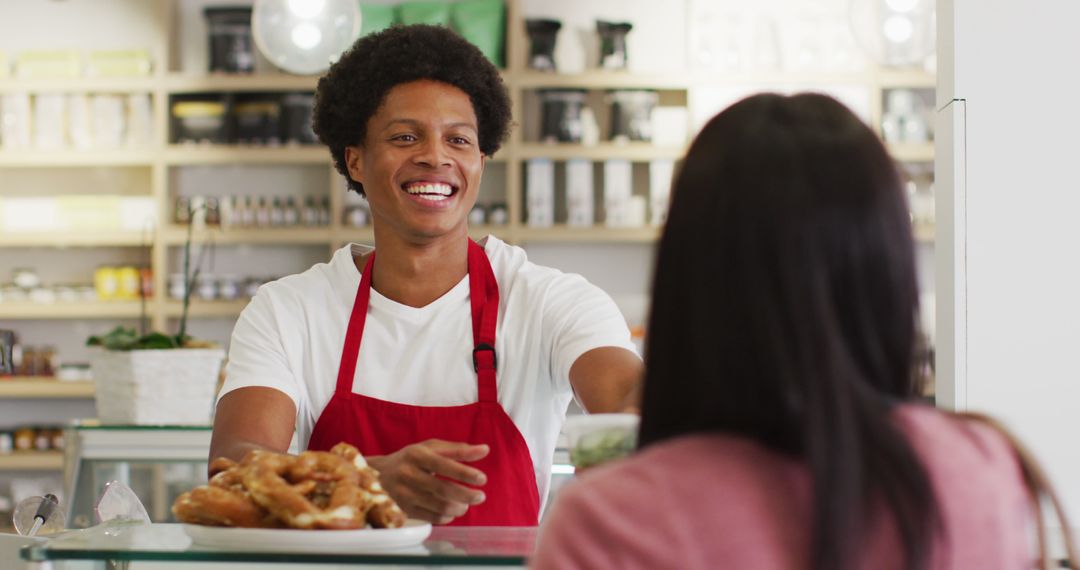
{"points": [[354, 87]]}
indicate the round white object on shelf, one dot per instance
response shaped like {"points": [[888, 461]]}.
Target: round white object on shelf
{"points": [[304, 37]]}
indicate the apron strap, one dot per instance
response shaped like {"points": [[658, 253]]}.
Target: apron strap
{"points": [[484, 298], [355, 331]]}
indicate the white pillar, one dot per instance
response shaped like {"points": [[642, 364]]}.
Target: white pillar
{"points": [[1008, 215]]}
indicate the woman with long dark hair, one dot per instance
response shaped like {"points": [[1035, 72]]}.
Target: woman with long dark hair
{"points": [[780, 424]]}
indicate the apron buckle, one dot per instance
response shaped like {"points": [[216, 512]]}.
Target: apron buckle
{"points": [[494, 358]]}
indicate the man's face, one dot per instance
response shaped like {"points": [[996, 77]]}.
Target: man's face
{"points": [[420, 163]]}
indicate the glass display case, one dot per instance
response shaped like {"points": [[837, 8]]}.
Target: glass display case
{"points": [[157, 462]]}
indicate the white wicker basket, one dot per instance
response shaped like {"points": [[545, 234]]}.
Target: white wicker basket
{"points": [[157, 387]]}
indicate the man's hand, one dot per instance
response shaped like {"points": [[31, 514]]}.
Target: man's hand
{"points": [[424, 478]]}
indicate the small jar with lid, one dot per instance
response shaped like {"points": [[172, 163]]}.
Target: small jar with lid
{"points": [[177, 286], [199, 122], [23, 438], [207, 287], [25, 278]]}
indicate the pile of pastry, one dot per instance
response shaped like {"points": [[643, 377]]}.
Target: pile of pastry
{"points": [[333, 489]]}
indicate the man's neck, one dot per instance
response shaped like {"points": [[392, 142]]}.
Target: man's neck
{"points": [[416, 273]]}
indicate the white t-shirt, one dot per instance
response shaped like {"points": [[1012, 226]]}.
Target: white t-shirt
{"points": [[290, 337]]}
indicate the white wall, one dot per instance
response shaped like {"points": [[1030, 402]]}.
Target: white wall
{"points": [[1007, 210]]}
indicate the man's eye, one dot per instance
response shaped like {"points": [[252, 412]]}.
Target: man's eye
{"points": [[405, 138], [460, 140]]}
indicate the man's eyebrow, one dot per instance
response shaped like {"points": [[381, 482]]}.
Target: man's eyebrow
{"points": [[414, 123]]}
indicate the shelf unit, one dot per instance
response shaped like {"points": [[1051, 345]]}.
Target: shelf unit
{"points": [[32, 461], [44, 388], [162, 156]]}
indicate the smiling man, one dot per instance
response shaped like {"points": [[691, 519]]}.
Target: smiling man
{"points": [[449, 363]]}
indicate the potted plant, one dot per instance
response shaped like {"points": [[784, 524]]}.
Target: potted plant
{"points": [[156, 378]]}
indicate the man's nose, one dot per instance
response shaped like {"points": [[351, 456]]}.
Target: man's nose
{"points": [[432, 153]]}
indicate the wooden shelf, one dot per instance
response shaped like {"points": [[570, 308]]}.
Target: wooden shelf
{"points": [[76, 158], [207, 308], [88, 238], [71, 310], [179, 154], [182, 83], [79, 85], [33, 387], [635, 151], [355, 235], [604, 79], [177, 235], [906, 152], [910, 78], [32, 461], [562, 233], [600, 79]]}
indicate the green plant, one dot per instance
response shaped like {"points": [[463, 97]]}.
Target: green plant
{"points": [[122, 338]]}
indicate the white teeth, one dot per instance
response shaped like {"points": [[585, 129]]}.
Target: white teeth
{"points": [[431, 189]]}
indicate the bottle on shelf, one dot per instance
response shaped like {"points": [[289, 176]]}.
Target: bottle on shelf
{"points": [[277, 213], [249, 212], [292, 213], [310, 214], [262, 213]]}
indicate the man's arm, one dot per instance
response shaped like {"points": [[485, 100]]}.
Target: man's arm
{"points": [[608, 379], [252, 418]]}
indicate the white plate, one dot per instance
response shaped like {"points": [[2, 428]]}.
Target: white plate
{"points": [[413, 533]]}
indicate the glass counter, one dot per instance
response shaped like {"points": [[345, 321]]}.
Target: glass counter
{"points": [[157, 462], [116, 545]]}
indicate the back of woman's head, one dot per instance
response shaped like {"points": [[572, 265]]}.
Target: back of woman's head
{"points": [[784, 309]]}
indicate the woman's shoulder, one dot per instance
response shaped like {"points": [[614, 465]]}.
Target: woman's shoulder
{"points": [[954, 441]]}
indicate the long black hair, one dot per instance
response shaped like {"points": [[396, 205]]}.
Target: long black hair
{"points": [[784, 310]]}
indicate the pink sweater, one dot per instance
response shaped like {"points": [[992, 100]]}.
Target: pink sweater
{"points": [[716, 501]]}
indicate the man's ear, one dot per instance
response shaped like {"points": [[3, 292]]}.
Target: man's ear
{"points": [[354, 163]]}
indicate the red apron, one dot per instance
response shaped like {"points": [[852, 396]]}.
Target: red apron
{"points": [[379, 427]]}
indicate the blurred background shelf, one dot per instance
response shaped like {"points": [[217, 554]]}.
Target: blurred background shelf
{"points": [[235, 154], [32, 461], [77, 158], [70, 310], [89, 238], [44, 387], [192, 83], [177, 235], [207, 308], [637, 152], [564, 233]]}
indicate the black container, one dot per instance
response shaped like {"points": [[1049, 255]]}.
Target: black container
{"points": [[201, 120], [561, 115], [7, 343], [613, 43], [296, 110], [258, 121], [229, 33], [542, 34], [631, 114]]}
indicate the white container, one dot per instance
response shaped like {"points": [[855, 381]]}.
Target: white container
{"points": [[156, 387], [540, 193], [595, 438], [50, 121], [15, 130], [579, 193], [617, 192], [661, 173]]}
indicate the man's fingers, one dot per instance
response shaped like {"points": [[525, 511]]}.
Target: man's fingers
{"points": [[430, 461], [458, 451]]}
